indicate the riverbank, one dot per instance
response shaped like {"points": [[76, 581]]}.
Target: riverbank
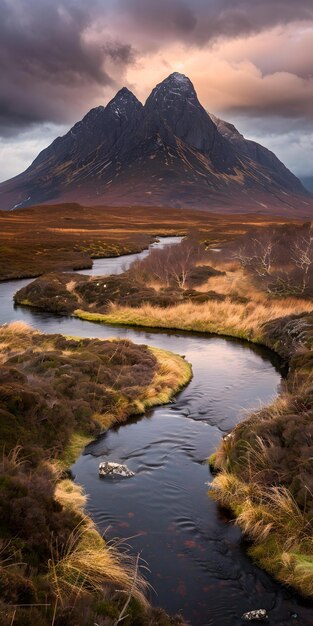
{"points": [[228, 318], [56, 392], [264, 466]]}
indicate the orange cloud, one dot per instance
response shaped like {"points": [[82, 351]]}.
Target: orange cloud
{"points": [[231, 75]]}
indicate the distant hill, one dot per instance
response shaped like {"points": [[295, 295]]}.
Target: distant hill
{"points": [[307, 181], [169, 152]]}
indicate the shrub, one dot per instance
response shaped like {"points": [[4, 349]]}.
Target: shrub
{"points": [[280, 259]]}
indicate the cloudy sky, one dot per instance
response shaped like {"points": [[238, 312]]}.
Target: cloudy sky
{"points": [[251, 62]]}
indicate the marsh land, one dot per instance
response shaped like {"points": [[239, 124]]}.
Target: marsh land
{"points": [[228, 277]]}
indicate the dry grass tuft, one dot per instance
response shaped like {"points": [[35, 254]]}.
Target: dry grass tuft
{"points": [[71, 495], [272, 519], [86, 564], [18, 328]]}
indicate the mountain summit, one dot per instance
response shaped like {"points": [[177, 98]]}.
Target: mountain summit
{"points": [[169, 152]]}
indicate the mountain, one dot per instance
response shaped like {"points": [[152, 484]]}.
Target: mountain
{"points": [[259, 154], [169, 152], [307, 181]]}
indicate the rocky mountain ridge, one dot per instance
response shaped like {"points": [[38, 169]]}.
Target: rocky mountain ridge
{"points": [[168, 152]]}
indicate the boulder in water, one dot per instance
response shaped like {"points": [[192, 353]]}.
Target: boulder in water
{"points": [[259, 615], [109, 468]]}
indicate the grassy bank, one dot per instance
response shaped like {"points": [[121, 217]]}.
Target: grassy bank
{"points": [[173, 373], [223, 318], [56, 394]]}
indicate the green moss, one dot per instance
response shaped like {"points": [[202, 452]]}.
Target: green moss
{"points": [[76, 445], [212, 462]]}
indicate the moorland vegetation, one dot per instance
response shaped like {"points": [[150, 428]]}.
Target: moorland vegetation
{"points": [[259, 288], [56, 394], [65, 237]]}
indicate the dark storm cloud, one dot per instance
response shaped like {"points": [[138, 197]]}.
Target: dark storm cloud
{"points": [[60, 57], [47, 61], [201, 21]]}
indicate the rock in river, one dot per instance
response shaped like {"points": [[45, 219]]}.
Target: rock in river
{"points": [[259, 615], [109, 468]]}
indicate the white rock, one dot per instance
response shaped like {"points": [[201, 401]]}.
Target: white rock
{"points": [[109, 468], [259, 615]]}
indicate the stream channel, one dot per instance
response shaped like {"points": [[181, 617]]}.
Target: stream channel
{"points": [[196, 556]]}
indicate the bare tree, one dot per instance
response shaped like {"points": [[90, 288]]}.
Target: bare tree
{"points": [[257, 256], [302, 256], [170, 266], [280, 259]]}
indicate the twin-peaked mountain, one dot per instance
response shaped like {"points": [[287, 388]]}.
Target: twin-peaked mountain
{"points": [[169, 152]]}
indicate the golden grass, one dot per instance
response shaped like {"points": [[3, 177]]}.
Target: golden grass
{"points": [[225, 318], [280, 531], [70, 495], [234, 282], [87, 564], [172, 375], [18, 327]]}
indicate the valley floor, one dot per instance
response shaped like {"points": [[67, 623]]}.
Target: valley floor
{"points": [[66, 237], [264, 467]]}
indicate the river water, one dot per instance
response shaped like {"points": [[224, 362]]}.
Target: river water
{"points": [[195, 555]]}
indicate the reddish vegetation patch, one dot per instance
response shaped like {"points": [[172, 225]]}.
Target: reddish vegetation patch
{"points": [[51, 386], [67, 236]]}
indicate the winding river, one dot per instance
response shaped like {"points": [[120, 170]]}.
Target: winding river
{"points": [[195, 555]]}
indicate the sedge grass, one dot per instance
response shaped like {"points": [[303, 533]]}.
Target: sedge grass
{"points": [[87, 564], [224, 318], [280, 531]]}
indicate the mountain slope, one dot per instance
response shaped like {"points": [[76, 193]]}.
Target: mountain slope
{"points": [[169, 152], [259, 154]]}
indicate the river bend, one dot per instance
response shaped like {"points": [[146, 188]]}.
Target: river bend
{"points": [[195, 555]]}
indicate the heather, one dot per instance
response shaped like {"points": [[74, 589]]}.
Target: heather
{"points": [[251, 289], [56, 394], [67, 236]]}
